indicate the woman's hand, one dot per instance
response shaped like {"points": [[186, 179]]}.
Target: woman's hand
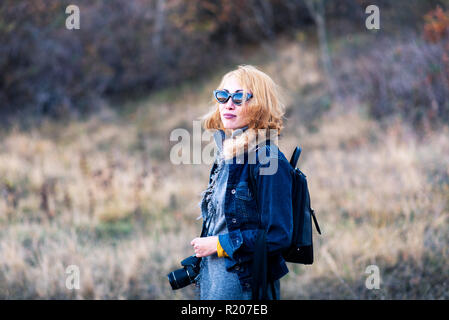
{"points": [[204, 246]]}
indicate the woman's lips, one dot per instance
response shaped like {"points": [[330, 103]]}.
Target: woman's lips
{"points": [[228, 116]]}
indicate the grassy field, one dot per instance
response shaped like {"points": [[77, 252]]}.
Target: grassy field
{"points": [[102, 194]]}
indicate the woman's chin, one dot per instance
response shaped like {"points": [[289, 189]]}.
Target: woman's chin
{"points": [[230, 123]]}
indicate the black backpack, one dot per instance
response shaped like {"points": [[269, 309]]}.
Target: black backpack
{"points": [[301, 248]]}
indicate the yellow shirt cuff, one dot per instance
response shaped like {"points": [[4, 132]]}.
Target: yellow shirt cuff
{"points": [[220, 251]]}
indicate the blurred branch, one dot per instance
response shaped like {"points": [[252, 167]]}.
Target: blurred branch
{"points": [[317, 9], [263, 14], [159, 24]]}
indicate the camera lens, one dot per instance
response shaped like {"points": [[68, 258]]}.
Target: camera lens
{"points": [[183, 277], [179, 279]]}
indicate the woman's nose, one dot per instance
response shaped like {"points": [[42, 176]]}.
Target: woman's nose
{"points": [[229, 104]]}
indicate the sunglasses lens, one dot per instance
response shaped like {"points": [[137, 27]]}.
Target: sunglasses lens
{"points": [[238, 98], [221, 96]]}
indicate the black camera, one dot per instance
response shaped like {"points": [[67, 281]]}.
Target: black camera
{"points": [[183, 277]]}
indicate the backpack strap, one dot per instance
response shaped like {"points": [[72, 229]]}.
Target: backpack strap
{"points": [[295, 156], [260, 259], [252, 182], [315, 221], [260, 267]]}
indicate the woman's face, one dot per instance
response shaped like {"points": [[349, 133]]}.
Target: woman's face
{"points": [[231, 115]]}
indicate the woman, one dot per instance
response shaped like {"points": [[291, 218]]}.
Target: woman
{"points": [[248, 105]]}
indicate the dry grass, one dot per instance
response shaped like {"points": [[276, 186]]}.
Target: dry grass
{"points": [[102, 195]]}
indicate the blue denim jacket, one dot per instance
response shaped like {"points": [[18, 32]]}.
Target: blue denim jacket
{"points": [[242, 218]]}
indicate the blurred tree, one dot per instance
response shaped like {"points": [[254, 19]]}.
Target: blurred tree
{"points": [[317, 9], [135, 46]]}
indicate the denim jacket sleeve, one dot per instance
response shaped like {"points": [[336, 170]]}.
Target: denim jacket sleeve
{"points": [[275, 199]]}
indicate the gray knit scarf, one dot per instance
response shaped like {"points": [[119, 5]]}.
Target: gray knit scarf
{"points": [[209, 207]]}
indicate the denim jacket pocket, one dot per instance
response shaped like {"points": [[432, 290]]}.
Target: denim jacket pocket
{"points": [[245, 202], [242, 191]]}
